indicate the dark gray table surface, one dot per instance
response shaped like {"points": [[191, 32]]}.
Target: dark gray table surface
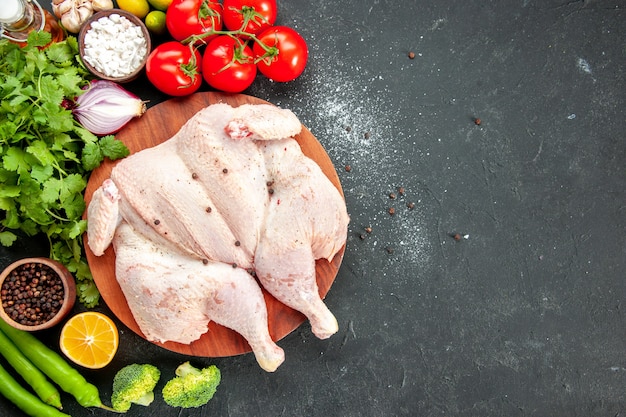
{"points": [[523, 315]]}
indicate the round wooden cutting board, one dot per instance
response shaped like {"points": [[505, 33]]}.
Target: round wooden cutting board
{"points": [[158, 124]]}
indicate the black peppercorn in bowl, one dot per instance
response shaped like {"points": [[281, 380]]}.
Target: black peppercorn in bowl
{"points": [[36, 293]]}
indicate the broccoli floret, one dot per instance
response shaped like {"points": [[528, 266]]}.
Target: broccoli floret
{"points": [[134, 384], [192, 387]]}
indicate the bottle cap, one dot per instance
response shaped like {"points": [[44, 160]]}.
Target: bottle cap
{"points": [[11, 11]]}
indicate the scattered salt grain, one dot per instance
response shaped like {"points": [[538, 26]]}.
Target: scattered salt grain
{"points": [[358, 123], [115, 46]]}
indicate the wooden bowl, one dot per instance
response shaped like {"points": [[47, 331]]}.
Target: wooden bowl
{"points": [[87, 27], [60, 271]]}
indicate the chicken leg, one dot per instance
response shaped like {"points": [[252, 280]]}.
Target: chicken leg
{"points": [[297, 232], [173, 297]]}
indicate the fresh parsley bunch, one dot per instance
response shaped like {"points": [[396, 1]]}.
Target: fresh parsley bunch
{"points": [[46, 155]]}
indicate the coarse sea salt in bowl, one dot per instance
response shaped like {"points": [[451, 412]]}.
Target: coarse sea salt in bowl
{"points": [[114, 45]]}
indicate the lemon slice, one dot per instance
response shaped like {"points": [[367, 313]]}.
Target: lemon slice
{"points": [[89, 339]]}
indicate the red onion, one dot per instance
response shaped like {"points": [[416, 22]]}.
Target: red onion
{"points": [[106, 107]]}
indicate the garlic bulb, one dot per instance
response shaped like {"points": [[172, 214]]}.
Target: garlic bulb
{"points": [[73, 13], [101, 5]]}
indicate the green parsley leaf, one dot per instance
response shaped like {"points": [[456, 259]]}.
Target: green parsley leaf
{"points": [[88, 293], [39, 38], [61, 53], [92, 155], [12, 221], [70, 81], [50, 91], [40, 150], [77, 228], [51, 190], [8, 204], [7, 238], [16, 159], [113, 148], [41, 173], [10, 191]]}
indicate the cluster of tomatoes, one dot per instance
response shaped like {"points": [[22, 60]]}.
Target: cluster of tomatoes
{"points": [[225, 44]]}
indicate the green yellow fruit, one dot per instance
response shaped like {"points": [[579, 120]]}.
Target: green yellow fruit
{"points": [[155, 22], [161, 5], [139, 8]]}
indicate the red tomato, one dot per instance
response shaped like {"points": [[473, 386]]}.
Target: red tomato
{"points": [[287, 53], [257, 14], [173, 69], [185, 18], [228, 64]]}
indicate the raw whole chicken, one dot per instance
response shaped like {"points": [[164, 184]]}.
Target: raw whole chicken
{"points": [[189, 219]]}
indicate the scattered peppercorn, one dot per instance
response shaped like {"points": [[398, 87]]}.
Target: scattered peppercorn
{"points": [[194, 176], [367, 135], [456, 236], [477, 121], [209, 209], [234, 265], [237, 243], [157, 222], [389, 250], [391, 211], [368, 229], [348, 129], [270, 190], [392, 196], [401, 190], [348, 168], [410, 205], [362, 236], [225, 170], [205, 261], [411, 55], [32, 294]]}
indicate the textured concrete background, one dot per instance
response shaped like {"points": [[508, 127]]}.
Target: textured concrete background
{"points": [[522, 314]]}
